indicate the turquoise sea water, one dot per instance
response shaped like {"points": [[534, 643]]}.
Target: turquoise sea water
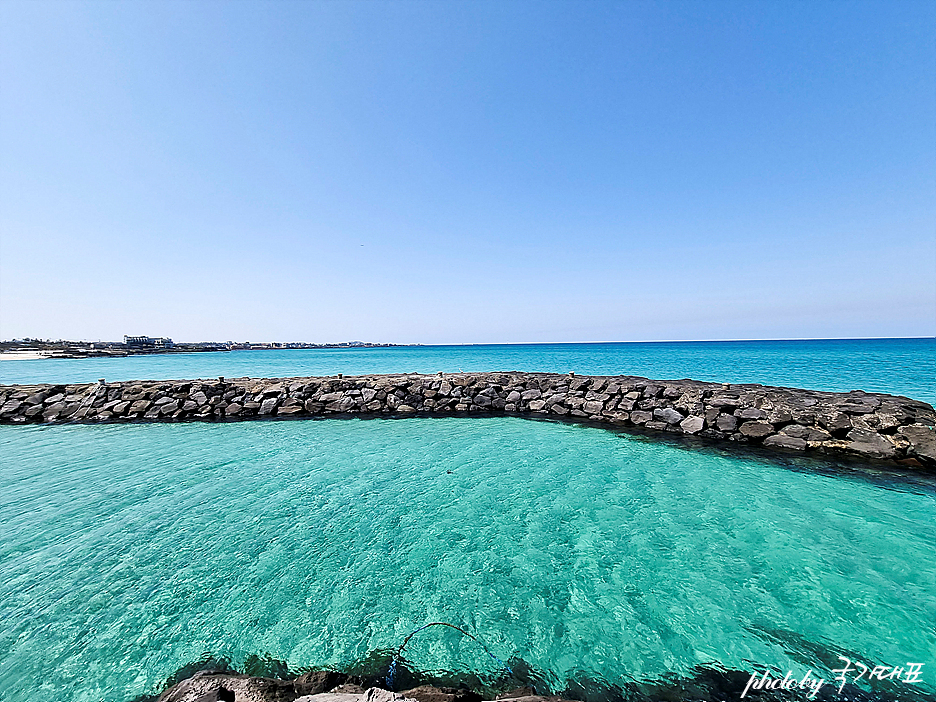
{"points": [[901, 366], [130, 551]]}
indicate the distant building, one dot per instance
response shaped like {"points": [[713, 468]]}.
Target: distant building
{"points": [[148, 342]]}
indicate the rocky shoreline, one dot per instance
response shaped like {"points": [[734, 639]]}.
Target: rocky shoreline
{"points": [[705, 685], [866, 425], [319, 686]]}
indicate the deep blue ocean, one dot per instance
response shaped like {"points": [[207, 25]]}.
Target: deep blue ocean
{"points": [[128, 552]]}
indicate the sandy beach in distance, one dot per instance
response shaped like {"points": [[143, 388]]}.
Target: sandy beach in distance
{"points": [[22, 355]]}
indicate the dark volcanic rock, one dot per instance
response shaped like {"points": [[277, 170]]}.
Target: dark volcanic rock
{"points": [[922, 441], [870, 425], [871, 444], [756, 430], [428, 693], [668, 415], [726, 423], [318, 681], [786, 442]]}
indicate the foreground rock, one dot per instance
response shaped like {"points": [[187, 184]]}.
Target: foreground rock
{"points": [[209, 686], [868, 425]]}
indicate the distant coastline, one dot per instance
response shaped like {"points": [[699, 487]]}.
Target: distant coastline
{"points": [[22, 355], [35, 349]]}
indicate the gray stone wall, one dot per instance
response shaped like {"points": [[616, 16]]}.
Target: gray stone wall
{"points": [[870, 425]]}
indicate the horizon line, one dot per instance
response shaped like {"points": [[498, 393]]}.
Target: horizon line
{"points": [[684, 341], [519, 343]]}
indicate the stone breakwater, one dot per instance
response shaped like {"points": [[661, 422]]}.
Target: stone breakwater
{"points": [[868, 425]]}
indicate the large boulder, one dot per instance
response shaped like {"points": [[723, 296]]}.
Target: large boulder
{"points": [[692, 425], [726, 423], [428, 693], [10, 407], [785, 442], [318, 681], [640, 417], [756, 430], [869, 443], [922, 442], [668, 415]]}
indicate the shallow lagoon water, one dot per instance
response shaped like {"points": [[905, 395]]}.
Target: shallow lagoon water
{"points": [[127, 552]]}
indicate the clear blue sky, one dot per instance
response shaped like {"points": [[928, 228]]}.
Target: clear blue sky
{"points": [[446, 172]]}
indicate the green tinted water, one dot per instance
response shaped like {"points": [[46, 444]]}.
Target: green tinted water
{"points": [[127, 552]]}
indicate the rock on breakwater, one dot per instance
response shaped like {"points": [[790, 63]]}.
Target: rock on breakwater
{"points": [[869, 425]]}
